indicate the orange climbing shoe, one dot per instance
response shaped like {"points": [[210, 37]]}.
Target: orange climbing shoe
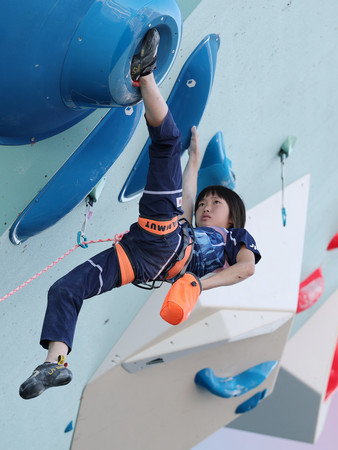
{"points": [[181, 299], [144, 62], [45, 376]]}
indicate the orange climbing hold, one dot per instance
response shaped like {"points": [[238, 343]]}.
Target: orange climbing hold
{"points": [[310, 290]]}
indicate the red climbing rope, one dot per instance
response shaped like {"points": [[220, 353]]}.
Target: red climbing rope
{"points": [[117, 238]]}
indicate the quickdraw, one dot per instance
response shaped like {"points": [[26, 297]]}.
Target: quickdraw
{"points": [[285, 152]]}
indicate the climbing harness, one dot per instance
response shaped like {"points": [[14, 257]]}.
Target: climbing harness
{"points": [[178, 268], [179, 262]]}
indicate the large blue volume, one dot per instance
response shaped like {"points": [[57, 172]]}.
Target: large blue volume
{"points": [[79, 174], [60, 60], [237, 385], [187, 102]]}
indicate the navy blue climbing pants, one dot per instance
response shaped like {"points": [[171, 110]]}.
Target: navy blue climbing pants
{"points": [[148, 253]]}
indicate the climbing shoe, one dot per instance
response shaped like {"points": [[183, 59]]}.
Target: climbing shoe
{"points": [[45, 376], [144, 62]]}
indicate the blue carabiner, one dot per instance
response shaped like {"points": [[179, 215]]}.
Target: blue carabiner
{"points": [[81, 244], [284, 216]]}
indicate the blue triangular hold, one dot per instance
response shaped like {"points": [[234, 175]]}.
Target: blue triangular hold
{"points": [[216, 168], [69, 427]]}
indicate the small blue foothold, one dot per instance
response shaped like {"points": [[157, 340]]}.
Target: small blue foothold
{"points": [[69, 427], [251, 403]]}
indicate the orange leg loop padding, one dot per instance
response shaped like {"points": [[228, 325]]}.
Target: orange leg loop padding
{"points": [[126, 269]]}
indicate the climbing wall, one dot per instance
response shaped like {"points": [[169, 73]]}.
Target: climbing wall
{"points": [[256, 103]]}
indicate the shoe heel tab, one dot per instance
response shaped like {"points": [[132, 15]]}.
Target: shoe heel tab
{"points": [[61, 360]]}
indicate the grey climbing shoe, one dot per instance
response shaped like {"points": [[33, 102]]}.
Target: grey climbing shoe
{"points": [[45, 376], [145, 62]]}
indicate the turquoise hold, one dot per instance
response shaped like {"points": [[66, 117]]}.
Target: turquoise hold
{"points": [[216, 168]]}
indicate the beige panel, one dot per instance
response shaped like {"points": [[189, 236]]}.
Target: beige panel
{"points": [[162, 408]]}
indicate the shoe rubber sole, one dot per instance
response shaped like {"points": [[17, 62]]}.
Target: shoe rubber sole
{"points": [[45, 377]]}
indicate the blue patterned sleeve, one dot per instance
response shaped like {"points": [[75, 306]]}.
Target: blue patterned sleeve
{"points": [[236, 238]]}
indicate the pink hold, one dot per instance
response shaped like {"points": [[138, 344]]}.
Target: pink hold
{"points": [[310, 290], [333, 243], [332, 384]]}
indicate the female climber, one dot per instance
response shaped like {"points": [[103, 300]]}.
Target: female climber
{"points": [[162, 245]]}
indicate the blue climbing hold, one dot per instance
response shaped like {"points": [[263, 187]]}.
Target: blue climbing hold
{"points": [[237, 385], [69, 427], [251, 403], [216, 168]]}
